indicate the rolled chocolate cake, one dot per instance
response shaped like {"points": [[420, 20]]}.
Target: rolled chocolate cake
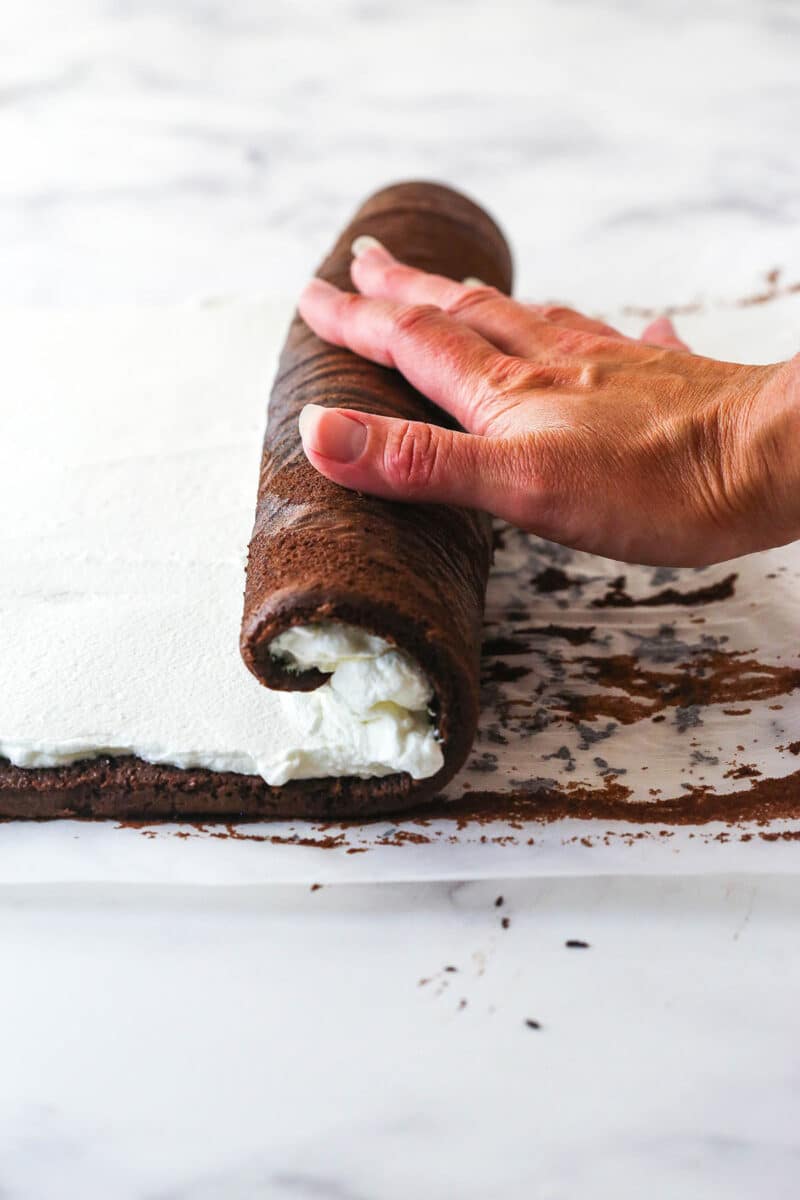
{"points": [[377, 604]]}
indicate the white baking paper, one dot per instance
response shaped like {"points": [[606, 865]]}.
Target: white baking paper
{"points": [[530, 737]]}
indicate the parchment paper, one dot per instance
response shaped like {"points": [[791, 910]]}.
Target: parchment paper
{"points": [[598, 677]]}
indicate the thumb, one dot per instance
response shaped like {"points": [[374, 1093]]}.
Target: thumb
{"points": [[407, 460]]}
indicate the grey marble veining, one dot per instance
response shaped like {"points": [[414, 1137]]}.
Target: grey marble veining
{"points": [[636, 152], [174, 1044]]}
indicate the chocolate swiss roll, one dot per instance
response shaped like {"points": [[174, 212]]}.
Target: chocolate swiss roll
{"points": [[334, 568]]}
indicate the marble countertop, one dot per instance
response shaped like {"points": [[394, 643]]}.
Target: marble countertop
{"points": [[295, 1045], [180, 1043]]}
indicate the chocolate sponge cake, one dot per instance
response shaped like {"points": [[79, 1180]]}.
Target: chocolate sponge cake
{"points": [[412, 574]]}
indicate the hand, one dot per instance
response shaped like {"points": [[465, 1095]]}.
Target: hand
{"points": [[638, 450]]}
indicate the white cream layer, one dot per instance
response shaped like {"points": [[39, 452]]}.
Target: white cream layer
{"points": [[374, 709], [128, 466]]}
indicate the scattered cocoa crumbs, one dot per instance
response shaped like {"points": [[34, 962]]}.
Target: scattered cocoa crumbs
{"points": [[531, 1024], [503, 647], [772, 290], [793, 747], [400, 837], [745, 771], [325, 841], [506, 922], [712, 677], [499, 902], [617, 597], [576, 944], [315, 887], [576, 635], [757, 298], [671, 310], [698, 804], [503, 672], [762, 800], [462, 1004], [451, 970], [553, 579]]}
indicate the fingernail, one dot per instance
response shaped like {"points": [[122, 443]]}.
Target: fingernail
{"points": [[663, 325], [364, 242], [331, 433], [472, 281]]}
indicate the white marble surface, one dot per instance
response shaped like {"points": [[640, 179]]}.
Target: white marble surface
{"points": [[176, 1045], [171, 1044], [636, 151]]}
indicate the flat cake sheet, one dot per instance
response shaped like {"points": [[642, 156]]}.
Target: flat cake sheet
{"points": [[604, 685]]}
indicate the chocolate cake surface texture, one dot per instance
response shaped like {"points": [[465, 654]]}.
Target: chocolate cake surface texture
{"points": [[412, 574]]}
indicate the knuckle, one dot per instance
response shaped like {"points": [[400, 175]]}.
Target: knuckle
{"points": [[410, 319], [495, 405], [555, 313], [581, 341], [413, 455], [507, 373], [467, 300]]}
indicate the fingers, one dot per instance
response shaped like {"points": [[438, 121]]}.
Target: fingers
{"points": [[661, 332], [519, 329], [443, 358], [497, 318], [524, 330], [411, 461]]}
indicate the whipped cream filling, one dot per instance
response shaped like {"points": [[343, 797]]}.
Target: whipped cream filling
{"points": [[128, 472], [374, 708]]}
